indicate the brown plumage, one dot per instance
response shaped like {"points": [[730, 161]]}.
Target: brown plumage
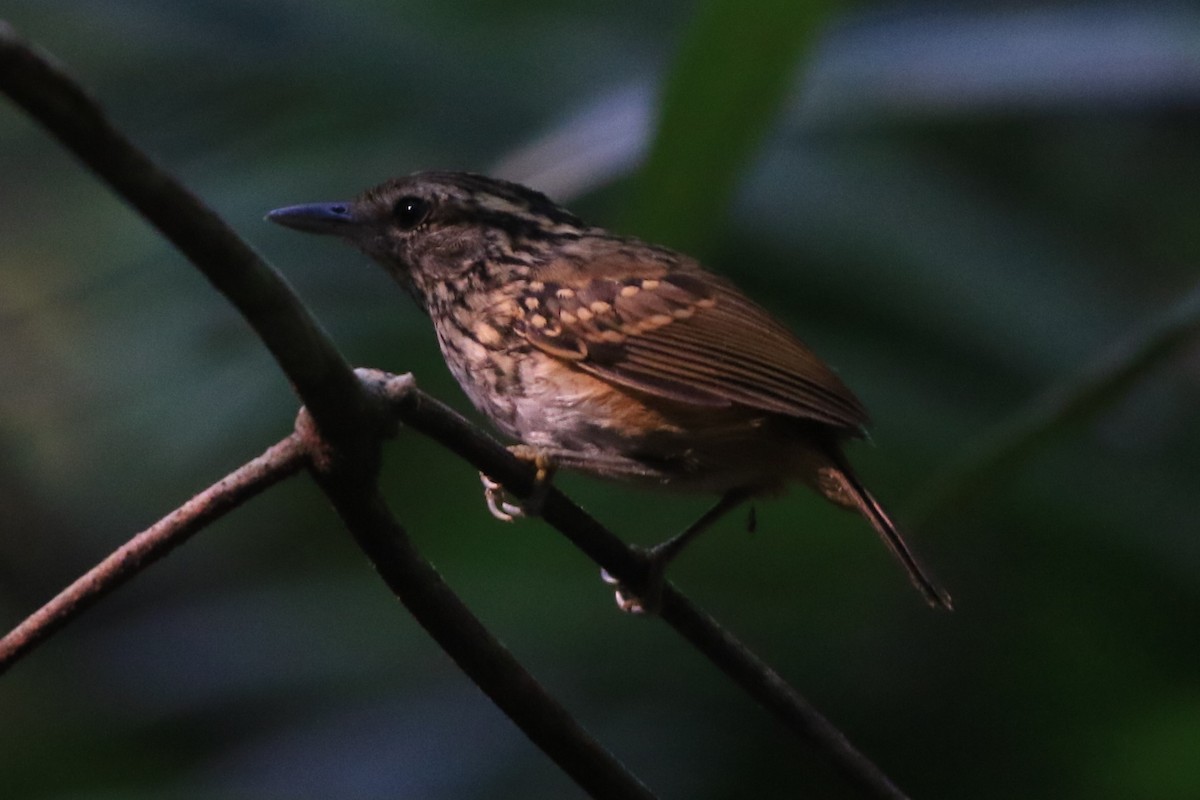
{"points": [[609, 355]]}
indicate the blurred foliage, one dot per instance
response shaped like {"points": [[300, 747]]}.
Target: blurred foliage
{"points": [[715, 105], [958, 207]]}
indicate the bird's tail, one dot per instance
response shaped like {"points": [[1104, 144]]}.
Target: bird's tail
{"points": [[839, 483]]}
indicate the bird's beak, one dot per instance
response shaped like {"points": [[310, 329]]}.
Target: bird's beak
{"points": [[335, 218]]}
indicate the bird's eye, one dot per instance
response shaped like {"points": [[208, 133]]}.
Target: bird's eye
{"points": [[409, 212]]}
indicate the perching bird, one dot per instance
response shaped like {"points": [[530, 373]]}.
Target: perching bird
{"points": [[607, 355]]}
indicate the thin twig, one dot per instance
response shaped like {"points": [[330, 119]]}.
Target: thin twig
{"points": [[278, 462], [1071, 402]]}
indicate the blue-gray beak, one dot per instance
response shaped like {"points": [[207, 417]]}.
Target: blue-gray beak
{"points": [[335, 218]]}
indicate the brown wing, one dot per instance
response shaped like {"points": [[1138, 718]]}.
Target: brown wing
{"points": [[690, 337]]}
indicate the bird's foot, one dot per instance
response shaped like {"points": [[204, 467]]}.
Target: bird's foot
{"points": [[497, 499], [646, 597]]}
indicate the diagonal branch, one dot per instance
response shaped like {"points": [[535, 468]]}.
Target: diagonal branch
{"points": [[278, 462]]}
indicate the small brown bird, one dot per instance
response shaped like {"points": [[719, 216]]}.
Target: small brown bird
{"points": [[608, 355]]}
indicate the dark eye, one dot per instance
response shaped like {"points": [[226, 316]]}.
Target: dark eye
{"points": [[409, 212]]}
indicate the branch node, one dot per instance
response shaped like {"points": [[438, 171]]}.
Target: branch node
{"points": [[389, 386]]}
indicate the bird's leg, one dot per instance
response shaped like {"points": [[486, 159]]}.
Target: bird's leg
{"points": [[667, 551], [647, 597], [497, 500]]}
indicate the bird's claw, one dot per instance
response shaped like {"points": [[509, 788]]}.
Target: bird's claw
{"points": [[497, 501], [496, 498], [645, 599]]}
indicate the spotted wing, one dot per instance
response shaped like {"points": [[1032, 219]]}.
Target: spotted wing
{"points": [[689, 337]]}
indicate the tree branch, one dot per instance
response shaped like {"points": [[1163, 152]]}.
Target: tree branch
{"points": [[278, 462]]}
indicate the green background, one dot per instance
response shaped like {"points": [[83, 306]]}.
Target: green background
{"points": [[957, 208]]}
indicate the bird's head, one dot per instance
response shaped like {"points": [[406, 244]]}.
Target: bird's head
{"points": [[431, 228]]}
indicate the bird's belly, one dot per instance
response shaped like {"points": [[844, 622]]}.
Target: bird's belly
{"points": [[586, 423]]}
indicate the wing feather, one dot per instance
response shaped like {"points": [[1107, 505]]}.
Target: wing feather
{"points": [[689, 337]]}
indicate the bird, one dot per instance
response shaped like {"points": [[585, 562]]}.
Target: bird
{"points": [[611, 356]]}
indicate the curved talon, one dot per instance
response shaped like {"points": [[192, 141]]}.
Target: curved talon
{"points": [[628, 603], [647, 599], [496, 498], [497, 502]]}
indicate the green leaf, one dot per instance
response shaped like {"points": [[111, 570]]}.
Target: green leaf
{"points": [[734, 67]]}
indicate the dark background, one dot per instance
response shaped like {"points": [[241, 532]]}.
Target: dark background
{"points": [[957, 207]]}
